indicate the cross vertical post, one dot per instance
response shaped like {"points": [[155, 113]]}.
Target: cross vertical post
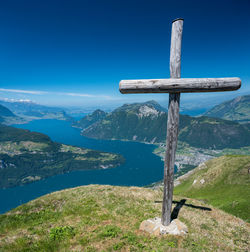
{"points": [[173, 122]]}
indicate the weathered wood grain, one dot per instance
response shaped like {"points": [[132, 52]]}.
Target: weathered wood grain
{"points": [[173, 123], [182, 85], [171, 145], [175, 48]]}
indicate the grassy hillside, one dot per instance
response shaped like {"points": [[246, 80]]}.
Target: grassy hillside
{"points": [[222, 182], [237, 109], [107, 218]]}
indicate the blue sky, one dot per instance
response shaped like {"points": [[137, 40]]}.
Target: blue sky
{"points": [[74, 53]]}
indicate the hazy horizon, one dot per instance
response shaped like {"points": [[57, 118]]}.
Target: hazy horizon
{"points": [[202, 101]]}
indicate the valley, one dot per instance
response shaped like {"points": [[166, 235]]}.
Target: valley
{"points": [[200, 138], [188, 157], [125, 126]]}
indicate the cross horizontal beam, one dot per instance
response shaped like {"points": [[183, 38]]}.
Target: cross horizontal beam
{"points": [[187, 85]]}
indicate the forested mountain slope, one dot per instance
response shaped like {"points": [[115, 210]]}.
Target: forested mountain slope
{"points": [[237, 109], [147, 122]]}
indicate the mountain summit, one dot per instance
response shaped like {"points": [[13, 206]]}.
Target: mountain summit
{"points": [[107, 218], [88, 120]]}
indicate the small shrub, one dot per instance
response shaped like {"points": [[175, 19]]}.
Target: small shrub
{"points": [[118, 246], [131, 238], [110, 231], [84, 241], [90, 249], [171, 244], [62, 233]]}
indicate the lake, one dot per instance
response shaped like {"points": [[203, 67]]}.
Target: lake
{"points": [[141, 168]]}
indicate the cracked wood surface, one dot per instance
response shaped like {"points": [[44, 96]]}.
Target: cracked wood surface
{"points": [[182, 85]]}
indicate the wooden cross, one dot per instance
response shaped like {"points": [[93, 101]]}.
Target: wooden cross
{"points": [[174, 86]]}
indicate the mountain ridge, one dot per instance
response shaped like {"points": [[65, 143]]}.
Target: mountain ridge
{"points": [[237, 109], [90, 119], [146, 122], [7, 116], [5, 111], [27, 111]]}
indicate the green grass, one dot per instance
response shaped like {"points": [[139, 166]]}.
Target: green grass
{"points": [[107, 218], [226, 185], [240, 151], [61, 233]]}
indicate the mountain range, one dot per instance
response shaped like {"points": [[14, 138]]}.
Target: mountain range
{"points": [[6, 114], [237, 110], [146, 122], [26, 111]]}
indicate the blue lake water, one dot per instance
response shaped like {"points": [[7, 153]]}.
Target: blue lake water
{"points": [[141, 168]]}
